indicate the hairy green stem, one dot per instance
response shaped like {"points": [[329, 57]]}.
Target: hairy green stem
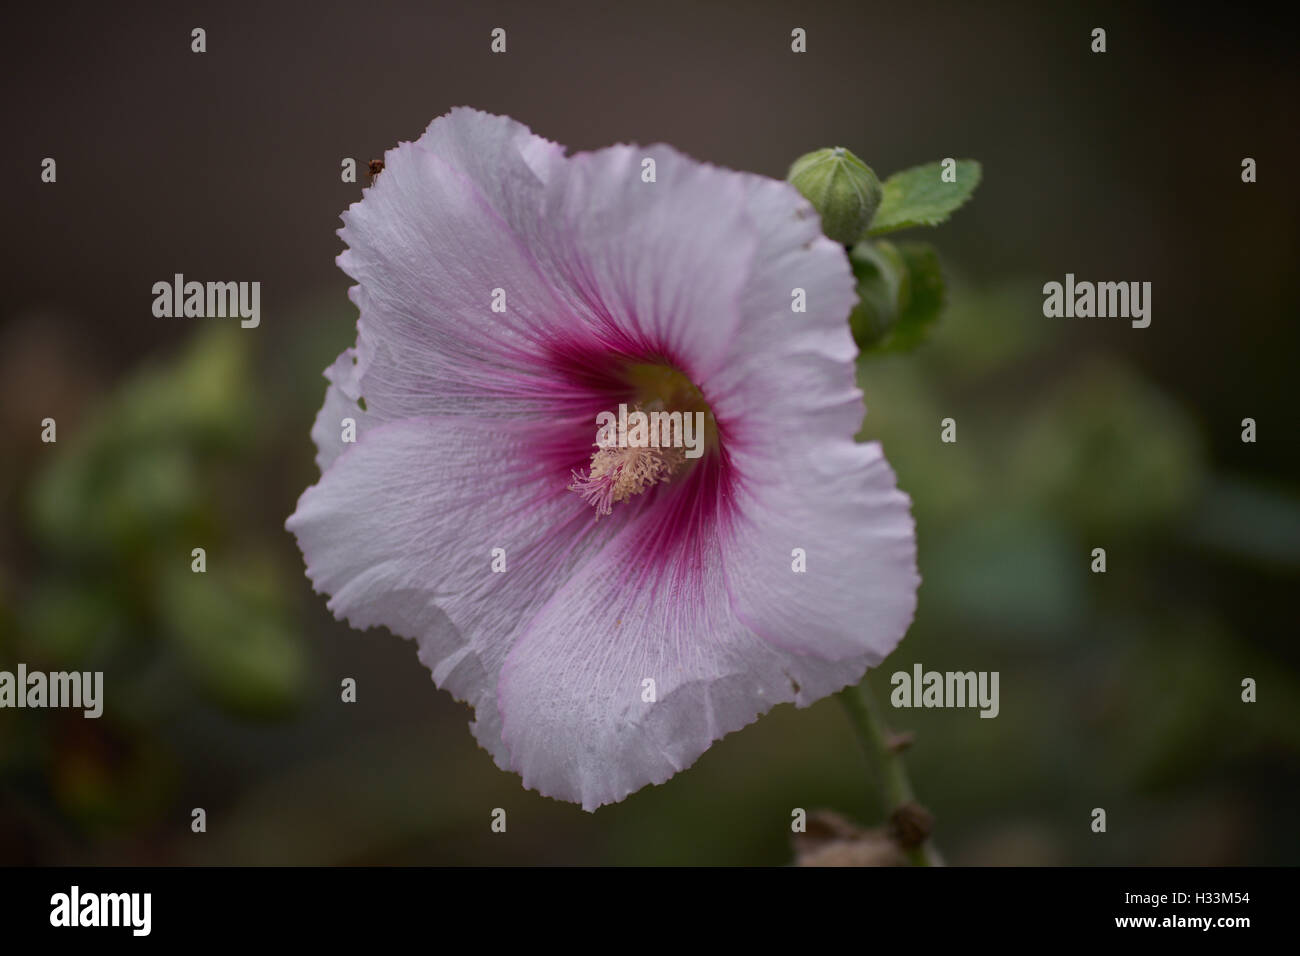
{"points": [[882, 752]]}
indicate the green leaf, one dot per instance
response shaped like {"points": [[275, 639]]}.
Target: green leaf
{"points": [[880, 271], [900, 294], [919, 196], [921, 297]]}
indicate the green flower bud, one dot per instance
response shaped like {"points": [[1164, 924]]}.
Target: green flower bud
{"points": [[841, 187]]}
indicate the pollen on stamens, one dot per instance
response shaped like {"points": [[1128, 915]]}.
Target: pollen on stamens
{"points": [[618, 473]]}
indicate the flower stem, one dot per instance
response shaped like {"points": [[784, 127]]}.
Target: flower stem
{"points": [[883, 751]]}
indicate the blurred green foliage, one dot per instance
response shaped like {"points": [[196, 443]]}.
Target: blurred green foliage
{"points": [[114, 516], [1120, 690], [119, 513]]}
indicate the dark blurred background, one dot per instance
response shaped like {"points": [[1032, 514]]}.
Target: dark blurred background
{"points": [[1119, 690]]}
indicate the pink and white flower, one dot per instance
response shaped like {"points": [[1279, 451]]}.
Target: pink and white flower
{"points": [[642, 565]]}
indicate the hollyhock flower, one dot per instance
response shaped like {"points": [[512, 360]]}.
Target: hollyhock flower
{"points": [[608, 612]]}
